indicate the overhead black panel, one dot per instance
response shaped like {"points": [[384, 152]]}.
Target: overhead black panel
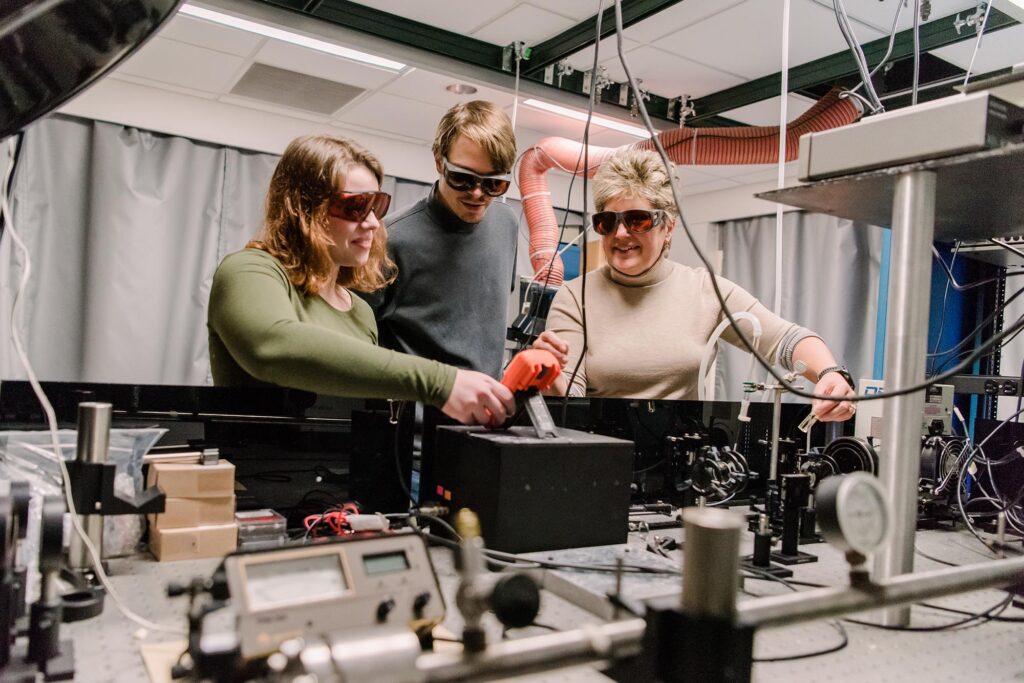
{"points": [[50, 50]]}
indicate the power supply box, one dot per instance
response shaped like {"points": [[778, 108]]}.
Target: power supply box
{"points": [[951, 125], [533, 494]]}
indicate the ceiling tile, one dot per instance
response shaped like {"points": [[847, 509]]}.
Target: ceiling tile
{"points": [[212, 36], [524, 23], [429, 87], [745, 39], [168, 61], [879, 15], [608, 49], [997, 50], [322, 65], [766, 112], [394, 115], [604, 137], [580, 10], [677, 17], [460, 16], [669, 75]]}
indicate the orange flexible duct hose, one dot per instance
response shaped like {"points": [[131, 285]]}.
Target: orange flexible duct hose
{"points": [[685, 146]]}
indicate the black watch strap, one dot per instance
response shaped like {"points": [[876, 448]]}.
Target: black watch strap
{"points": [[841, 371]]}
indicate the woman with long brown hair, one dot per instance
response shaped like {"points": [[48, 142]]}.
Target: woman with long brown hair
{"points": [[282, 312]]}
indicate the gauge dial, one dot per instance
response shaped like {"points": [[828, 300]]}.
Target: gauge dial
{"points": [[852, 512]]}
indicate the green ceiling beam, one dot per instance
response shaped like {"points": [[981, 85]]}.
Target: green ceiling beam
{"points": [[933, 35], [575, 38]]}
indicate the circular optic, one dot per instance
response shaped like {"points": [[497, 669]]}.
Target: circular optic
{"points": [[461, 89]]}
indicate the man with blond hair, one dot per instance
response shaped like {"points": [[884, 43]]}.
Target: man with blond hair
{"points": [[456, 248]]}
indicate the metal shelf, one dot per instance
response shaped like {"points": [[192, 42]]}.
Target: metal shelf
{"points": [[978, 195]]}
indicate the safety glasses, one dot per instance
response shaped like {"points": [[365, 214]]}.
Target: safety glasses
{"points": [[637, 221], [356, 206], [464, 180]]}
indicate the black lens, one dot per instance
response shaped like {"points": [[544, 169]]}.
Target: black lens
{"points": [[494, 187], [604, 222], [460, 182]]}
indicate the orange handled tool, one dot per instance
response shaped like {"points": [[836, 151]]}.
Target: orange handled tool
{"points": [[533, 369], [531, 372]]}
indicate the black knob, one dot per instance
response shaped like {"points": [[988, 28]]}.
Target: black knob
{"points": [[516, 600], [419, 603], [384, 609]]}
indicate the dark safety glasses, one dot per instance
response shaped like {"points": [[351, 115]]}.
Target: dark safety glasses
{"points": [[637, 221], [356, 206], [464, 180]]}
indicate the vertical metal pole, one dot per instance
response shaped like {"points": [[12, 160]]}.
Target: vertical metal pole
{"points": [[93, 444], [913, 227], [773, 463], [711, 562]]}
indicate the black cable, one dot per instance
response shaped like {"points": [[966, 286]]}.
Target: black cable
{"points": [[398, 459], [740, 334], [917, 52], [844, 641], [981, 618], [583, 244], [997, 617], [945, 293]]}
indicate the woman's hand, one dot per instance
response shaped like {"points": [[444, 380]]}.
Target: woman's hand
{"points": [[833, 384], [549, 341], [479, 399]]}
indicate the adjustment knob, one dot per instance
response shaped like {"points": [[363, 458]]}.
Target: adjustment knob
{"points": [[420, 603], [516, 600], [384, 609]]}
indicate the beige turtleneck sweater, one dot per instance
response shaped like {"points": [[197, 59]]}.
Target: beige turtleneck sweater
{"points": [[646, 333]]}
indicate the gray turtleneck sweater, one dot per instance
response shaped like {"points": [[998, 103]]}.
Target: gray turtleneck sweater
{"points": [[646, 333], [450, 301]]}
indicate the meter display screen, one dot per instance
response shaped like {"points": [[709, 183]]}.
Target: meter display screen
{"points": [[385, 563], [305, 579]]}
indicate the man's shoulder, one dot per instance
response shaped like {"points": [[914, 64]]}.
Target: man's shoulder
{"points": [[412, 212]]}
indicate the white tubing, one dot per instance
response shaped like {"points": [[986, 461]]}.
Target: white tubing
{"points": [[712, 346]]}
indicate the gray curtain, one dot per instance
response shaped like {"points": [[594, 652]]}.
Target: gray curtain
{"points": [[829, 285], [125, 228]]}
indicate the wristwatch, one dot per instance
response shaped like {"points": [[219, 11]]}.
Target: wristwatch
{"points": [[841, 371]]}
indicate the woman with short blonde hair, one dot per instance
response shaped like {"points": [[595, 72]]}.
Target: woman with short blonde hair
{"points": [[648, 317]]}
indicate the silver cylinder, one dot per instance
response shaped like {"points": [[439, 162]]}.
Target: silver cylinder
{"points": [[93, 447], [711, 562], [773, 463], [93, 432], [913, 227]]}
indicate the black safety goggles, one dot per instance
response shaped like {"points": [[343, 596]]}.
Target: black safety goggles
{"points": [[637, 221], [463, 180]]}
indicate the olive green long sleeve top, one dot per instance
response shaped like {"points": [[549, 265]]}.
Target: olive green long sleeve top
{"points": [[263, 330]]}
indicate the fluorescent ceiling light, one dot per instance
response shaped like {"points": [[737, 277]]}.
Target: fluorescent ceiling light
{"points": [[290, 37], [582, 116]]}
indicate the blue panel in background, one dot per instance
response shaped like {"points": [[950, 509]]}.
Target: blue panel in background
{"points": [[571, 261]]}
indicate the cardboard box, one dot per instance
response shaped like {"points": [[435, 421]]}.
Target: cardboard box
{"points": [[193, 481], [189, 512], [193, 543]]}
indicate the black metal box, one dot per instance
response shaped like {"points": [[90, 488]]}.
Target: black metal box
{"points": [[534, 494]]}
